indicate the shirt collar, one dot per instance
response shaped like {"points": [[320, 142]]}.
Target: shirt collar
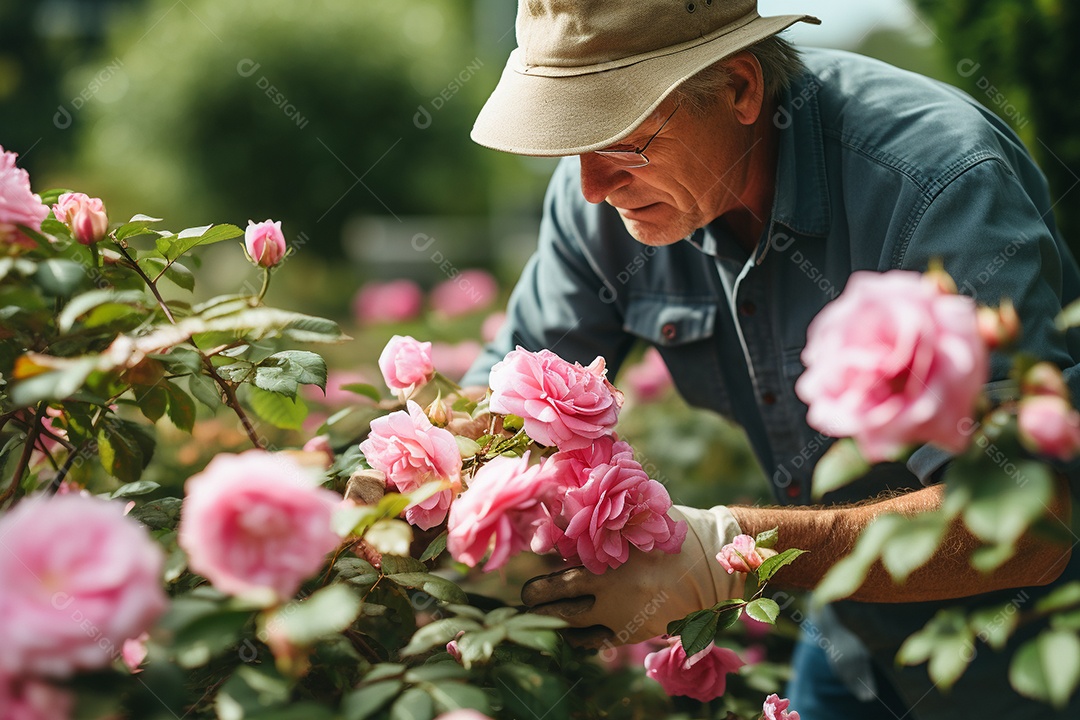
{"points": [[801, 197]]}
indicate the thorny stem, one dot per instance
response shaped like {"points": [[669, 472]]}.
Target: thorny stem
{"points": [[28, 449], [227, 390]]}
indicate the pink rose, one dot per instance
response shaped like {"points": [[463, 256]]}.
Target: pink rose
{"points": [[563, 404], [255, 522], [603, 502], [702, 677], [493, 323], [410, 451], [30, 699], [406, 363], [85, 217], [18, 205], [650, 378], [776, 708], [740, 555], [70, 563], [454, 360], [264, 242], [894, 361], [497, 512], [134, 652], [1049, 425], [388, 302], [471, 290]]}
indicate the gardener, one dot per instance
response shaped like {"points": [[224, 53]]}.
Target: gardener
{"points": [[718, 190]]}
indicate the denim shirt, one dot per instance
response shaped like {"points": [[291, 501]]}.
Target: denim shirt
{"points": [[877, 169]]}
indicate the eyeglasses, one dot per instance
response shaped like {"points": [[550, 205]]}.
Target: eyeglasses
{"points": [[633, 158]]}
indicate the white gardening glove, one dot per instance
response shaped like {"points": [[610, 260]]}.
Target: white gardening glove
{"points": [[637, 600]]}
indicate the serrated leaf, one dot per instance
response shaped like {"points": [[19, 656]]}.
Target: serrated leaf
{"points": [[763, 610], [771, 565], [153, 402], [1047, 668], [698, 632], [177, 245], [181, 407], [205, 391], [767, 538], [841, 465], [435, 547], [134, 489], [277, 410], [137, 225], [435, 586], [395, 565]]}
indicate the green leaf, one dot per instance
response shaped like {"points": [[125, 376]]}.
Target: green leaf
{"points": [[763, 610], [435, 547], [134, 489], [87, 301], [181, 276], [252, 690], [450, 696], [841, 465], [946, 641], [435, 672], [205, 391], [437, 634], [698, 631], [478, 646], [120, 454], [545, 641], [198, 642], [1065, 597], [395, 565], [368, 391], [137, 225], [435, 586], [413, 704], [767, 538], [1002, 505], [59, 278], [913, 544], [531, 621], [325, 612], [190, 238], [152, 402], [364, 702], [847, 575], [181, 407], [52, 385], [277, 410], [281, 372], [995, 624], [771, 565], [1047, 668]]}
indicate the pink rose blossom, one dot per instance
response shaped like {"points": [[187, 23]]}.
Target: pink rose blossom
{"points": [[256, 521], [454, 360], [23, 698], [18, 204], [71, 562], [563, 404], [470, 291], [410, 451], [740, 555], [600, 502], [776, 708], [393, 301], [702, 677], [1049, 425], [493, 323], [134, 652], [497, 512], [406, 363], [894, 361], [265, 242], [650, 378], [85, 216]]}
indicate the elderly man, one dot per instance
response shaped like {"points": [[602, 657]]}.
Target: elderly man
{"points": [[718, 190]]}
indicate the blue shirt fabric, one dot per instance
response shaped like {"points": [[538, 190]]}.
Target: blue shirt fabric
{"points": [[877, 169]]}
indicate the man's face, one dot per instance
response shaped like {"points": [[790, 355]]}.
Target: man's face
{"points": [[698, 170]]}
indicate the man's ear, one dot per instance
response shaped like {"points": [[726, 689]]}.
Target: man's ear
{"points": [[747, 87]]}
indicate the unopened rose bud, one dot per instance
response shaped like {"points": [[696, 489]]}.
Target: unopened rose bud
{"points": [[1044, 379], [85, 216], [1050, 426], [439, 411], [264, 242]]}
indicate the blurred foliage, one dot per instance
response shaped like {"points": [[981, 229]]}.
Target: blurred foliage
{"points": [[299, 111], [1023, 55]]}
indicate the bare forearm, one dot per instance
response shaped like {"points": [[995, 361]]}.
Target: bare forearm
{"points": [[830, 534]]}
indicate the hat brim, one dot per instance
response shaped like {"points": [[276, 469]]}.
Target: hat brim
{"points": [[554, 116]]}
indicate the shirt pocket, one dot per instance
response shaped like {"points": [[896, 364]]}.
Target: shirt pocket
{"points": [[667, 321]]}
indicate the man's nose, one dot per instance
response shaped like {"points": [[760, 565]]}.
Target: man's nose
{"points": [[600, 177]]}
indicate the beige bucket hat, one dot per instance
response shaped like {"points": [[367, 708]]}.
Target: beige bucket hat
{"points": [[586, 73]]}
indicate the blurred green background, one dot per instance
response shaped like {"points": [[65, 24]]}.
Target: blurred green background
{"points": [[349, 122]]}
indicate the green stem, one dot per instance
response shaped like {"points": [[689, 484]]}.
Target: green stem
{"points": [[265, 286], [28, 449]]}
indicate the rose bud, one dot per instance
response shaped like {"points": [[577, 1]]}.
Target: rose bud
{"points": [[264, 242], [85, 216], [1044, 379], [1049, 425]]}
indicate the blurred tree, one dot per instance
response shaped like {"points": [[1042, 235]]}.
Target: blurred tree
{"points": [[305, 112], [1020, 59]]}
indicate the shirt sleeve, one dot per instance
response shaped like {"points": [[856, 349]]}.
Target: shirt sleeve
{"points": [[563, 302]]}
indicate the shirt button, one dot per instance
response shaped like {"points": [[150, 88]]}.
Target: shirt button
{"points": [[768, 398], [794, 490], [669, 331], [748, 308]]}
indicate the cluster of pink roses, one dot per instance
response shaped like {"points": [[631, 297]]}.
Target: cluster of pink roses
{"points": [[590, 501], [79, 581], [402, 300]]}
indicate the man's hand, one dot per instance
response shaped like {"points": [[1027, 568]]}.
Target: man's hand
{"points": [[637, 600]]}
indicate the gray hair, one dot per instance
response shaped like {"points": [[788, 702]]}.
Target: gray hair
{"points": [[780, 65]]}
